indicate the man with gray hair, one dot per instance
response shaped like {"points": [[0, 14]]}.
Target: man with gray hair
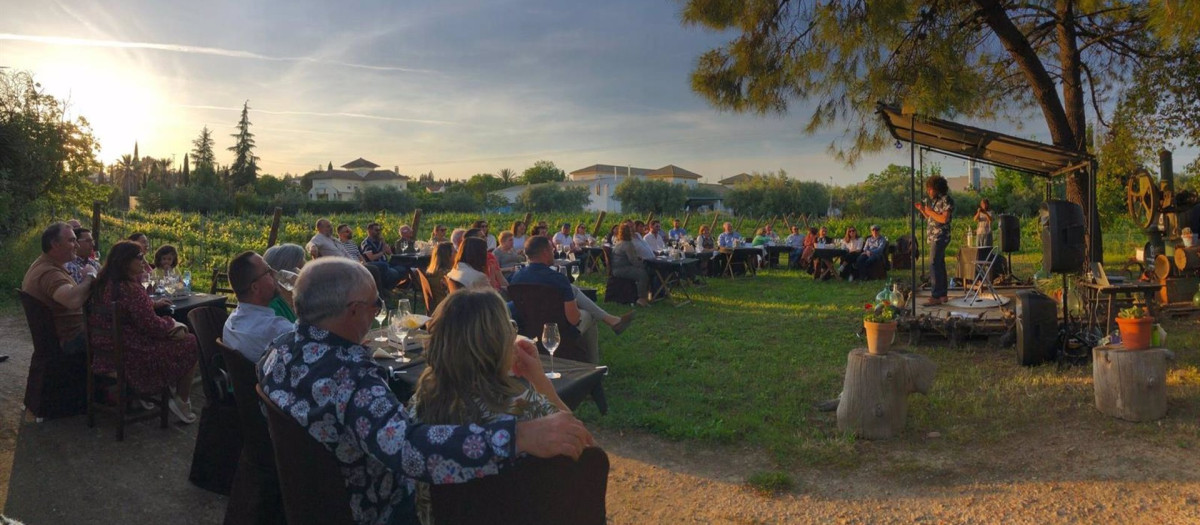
{"points": [[323, 244], [48, 281], [324, 378]]}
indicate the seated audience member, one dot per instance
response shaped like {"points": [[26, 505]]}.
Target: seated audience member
{"points": [[563, 241], [728, 237], [822, 237], [760, 238], [441, 262], [470, 263], [471, 338], [795, 241], [253, 324], [627, 263], [48, 281], [853, 244], [158, 350], [654, 237], [582, 238], [366, 427], [639, 240], [74, 224], [506, 254], [166, 260], [518, 232], [491, 265], [346, 239], [288, 257], [483, 226], [769, 231], [84, 261], [704, 240], [438, 236], [611, 238], [376, 252], [677, 232], [541, 229], [873, 250], [580, 311], [407, 242], [324, 245], [456, 237], [810, 246]]}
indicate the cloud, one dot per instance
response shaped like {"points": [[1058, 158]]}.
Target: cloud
{"points": [[198, 50], [322, 114]]}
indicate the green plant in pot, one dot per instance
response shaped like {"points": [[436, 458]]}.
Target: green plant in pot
{"points": [[1136, 327], [879, 326]]}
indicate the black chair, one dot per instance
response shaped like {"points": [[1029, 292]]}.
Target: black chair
{"points": [[617, 289], [906, 253], [125, 394], [219, 279], [535, 490], [219, 437], [255, 497], [538, 304], [313, 487], [878, 269], [57, 382]]}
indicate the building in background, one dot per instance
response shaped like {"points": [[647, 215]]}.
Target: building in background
{"points": [[354, 177], [601, 181]]}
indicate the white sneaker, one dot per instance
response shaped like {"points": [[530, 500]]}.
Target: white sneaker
{"points": [[182, 410]]}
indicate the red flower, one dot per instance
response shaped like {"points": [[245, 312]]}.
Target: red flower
{"points": [[868, 306]]}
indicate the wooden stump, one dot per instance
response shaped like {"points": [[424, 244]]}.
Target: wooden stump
{"points": [[874, 400], [1131, 384]]}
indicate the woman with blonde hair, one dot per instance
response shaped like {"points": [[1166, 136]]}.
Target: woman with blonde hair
{"points": [[478, 371]]}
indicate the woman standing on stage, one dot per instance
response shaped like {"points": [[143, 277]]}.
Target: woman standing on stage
{"points": [[938, 213]]}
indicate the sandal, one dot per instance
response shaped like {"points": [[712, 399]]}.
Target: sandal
{"points": [[182, 410]]}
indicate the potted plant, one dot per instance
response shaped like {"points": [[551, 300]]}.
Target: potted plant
{"points": [[1135, 326], [879, 323]]}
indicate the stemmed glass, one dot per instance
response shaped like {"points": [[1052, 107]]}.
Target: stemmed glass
{"points": [[146, 281], [399, 329], [380, 318], [286, 279], [550, 340]]}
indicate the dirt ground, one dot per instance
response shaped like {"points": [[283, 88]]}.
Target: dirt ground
{"points": [[1068, 474]]}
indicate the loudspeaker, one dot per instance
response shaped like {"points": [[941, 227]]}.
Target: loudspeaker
{"points": [[1037, 328], [1010, 233], [1062, 237]]}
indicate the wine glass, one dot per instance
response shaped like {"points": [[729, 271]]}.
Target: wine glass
{"points": [[286, 279], [187, 281], [550, 340], [145, 281], [399, 332], [380, 317]]}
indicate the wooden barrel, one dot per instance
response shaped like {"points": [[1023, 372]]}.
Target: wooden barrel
{"points": [[1187, 259], [1165, 267]]}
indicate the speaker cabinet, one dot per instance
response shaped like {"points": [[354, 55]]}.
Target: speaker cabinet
{"points": [[1010, 233], [1062, 237], [1037, 328]]}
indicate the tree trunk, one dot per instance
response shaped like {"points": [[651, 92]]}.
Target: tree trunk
{"points": [[1131, 384], [874, 399]]}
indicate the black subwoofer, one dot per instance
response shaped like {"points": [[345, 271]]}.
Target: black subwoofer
{"points": [[1010, 233], [1037, 328], [1062, 237]]}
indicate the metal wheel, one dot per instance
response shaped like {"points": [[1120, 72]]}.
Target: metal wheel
{"points": [[1143, 200]]}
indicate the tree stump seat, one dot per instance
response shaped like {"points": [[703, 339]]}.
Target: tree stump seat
{"points": [[874, 399], [1131, 384]]}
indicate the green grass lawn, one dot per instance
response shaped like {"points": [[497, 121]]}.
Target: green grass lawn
{"points": [[743, 364]]}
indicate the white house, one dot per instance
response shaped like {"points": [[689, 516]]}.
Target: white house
{"points": [[356, 176], [601, 181]]}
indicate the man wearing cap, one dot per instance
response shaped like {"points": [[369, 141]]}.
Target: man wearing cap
{"points": [[872, 252]]}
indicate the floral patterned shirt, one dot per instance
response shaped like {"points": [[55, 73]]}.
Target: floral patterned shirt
{"points": [[530, 404], [78, 268], [333, 388], [938, 231]]}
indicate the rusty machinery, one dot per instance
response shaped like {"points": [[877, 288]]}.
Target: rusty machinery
{"points": [[1165, 214]]}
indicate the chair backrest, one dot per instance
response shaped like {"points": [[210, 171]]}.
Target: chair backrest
{"points": [[427, 291], [313, 486], [538, 304], [250, 416], [452, 285], [218, 279], [113, 312], [207, 323], [535, 490], [41, 324]]}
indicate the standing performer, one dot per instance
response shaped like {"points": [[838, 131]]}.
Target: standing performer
{"points": [[983, 227], [938, 213]]}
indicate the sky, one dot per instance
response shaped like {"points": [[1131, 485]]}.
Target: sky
{"points": [[454, 87]]}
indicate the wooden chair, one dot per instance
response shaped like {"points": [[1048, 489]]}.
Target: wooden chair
{"points": [[538, 304], [535, 490], [57, 385], [617, 289], [255, 496], [218, 279], [313, 487], [218, 438], [432, 296], [125, 395]]}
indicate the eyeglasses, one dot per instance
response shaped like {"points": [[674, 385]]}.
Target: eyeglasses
{"points": [[378, 304]]}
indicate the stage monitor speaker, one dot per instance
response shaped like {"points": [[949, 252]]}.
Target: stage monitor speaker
{"points": [[1010, 233], [1062, 237], [1037, 328]]}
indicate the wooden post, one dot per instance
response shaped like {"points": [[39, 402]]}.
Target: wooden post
{"points": [[787, 222], [599, 224], [874, 400], [274, 235], [649, 218], [686, 219], [416, 222], [1131, 384], [96, 224], [738, 228], [528, 219], [713, 227]]}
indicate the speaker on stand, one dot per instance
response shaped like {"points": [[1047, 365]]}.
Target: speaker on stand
{"points": [[1010, 242], [1063, 252]]}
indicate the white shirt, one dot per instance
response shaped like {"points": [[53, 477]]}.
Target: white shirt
{"points": [[642, 248], [327, 246], [250, 328], [563, 240], [469, 277], [654, 241], [491, 240], [582, 239], [519, 243]]}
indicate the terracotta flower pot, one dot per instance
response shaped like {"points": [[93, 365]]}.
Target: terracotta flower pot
{"points": [[880, 336], [1135, 333]]}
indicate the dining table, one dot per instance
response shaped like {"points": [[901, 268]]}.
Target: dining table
{"points": [[773, 252], [674, 277], [185, 303], [578, 380], [826, 259], [411, 260]]}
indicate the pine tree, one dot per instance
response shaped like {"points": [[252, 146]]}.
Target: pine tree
{"points": [[244, 170], [185, 169], [202, 149]]}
